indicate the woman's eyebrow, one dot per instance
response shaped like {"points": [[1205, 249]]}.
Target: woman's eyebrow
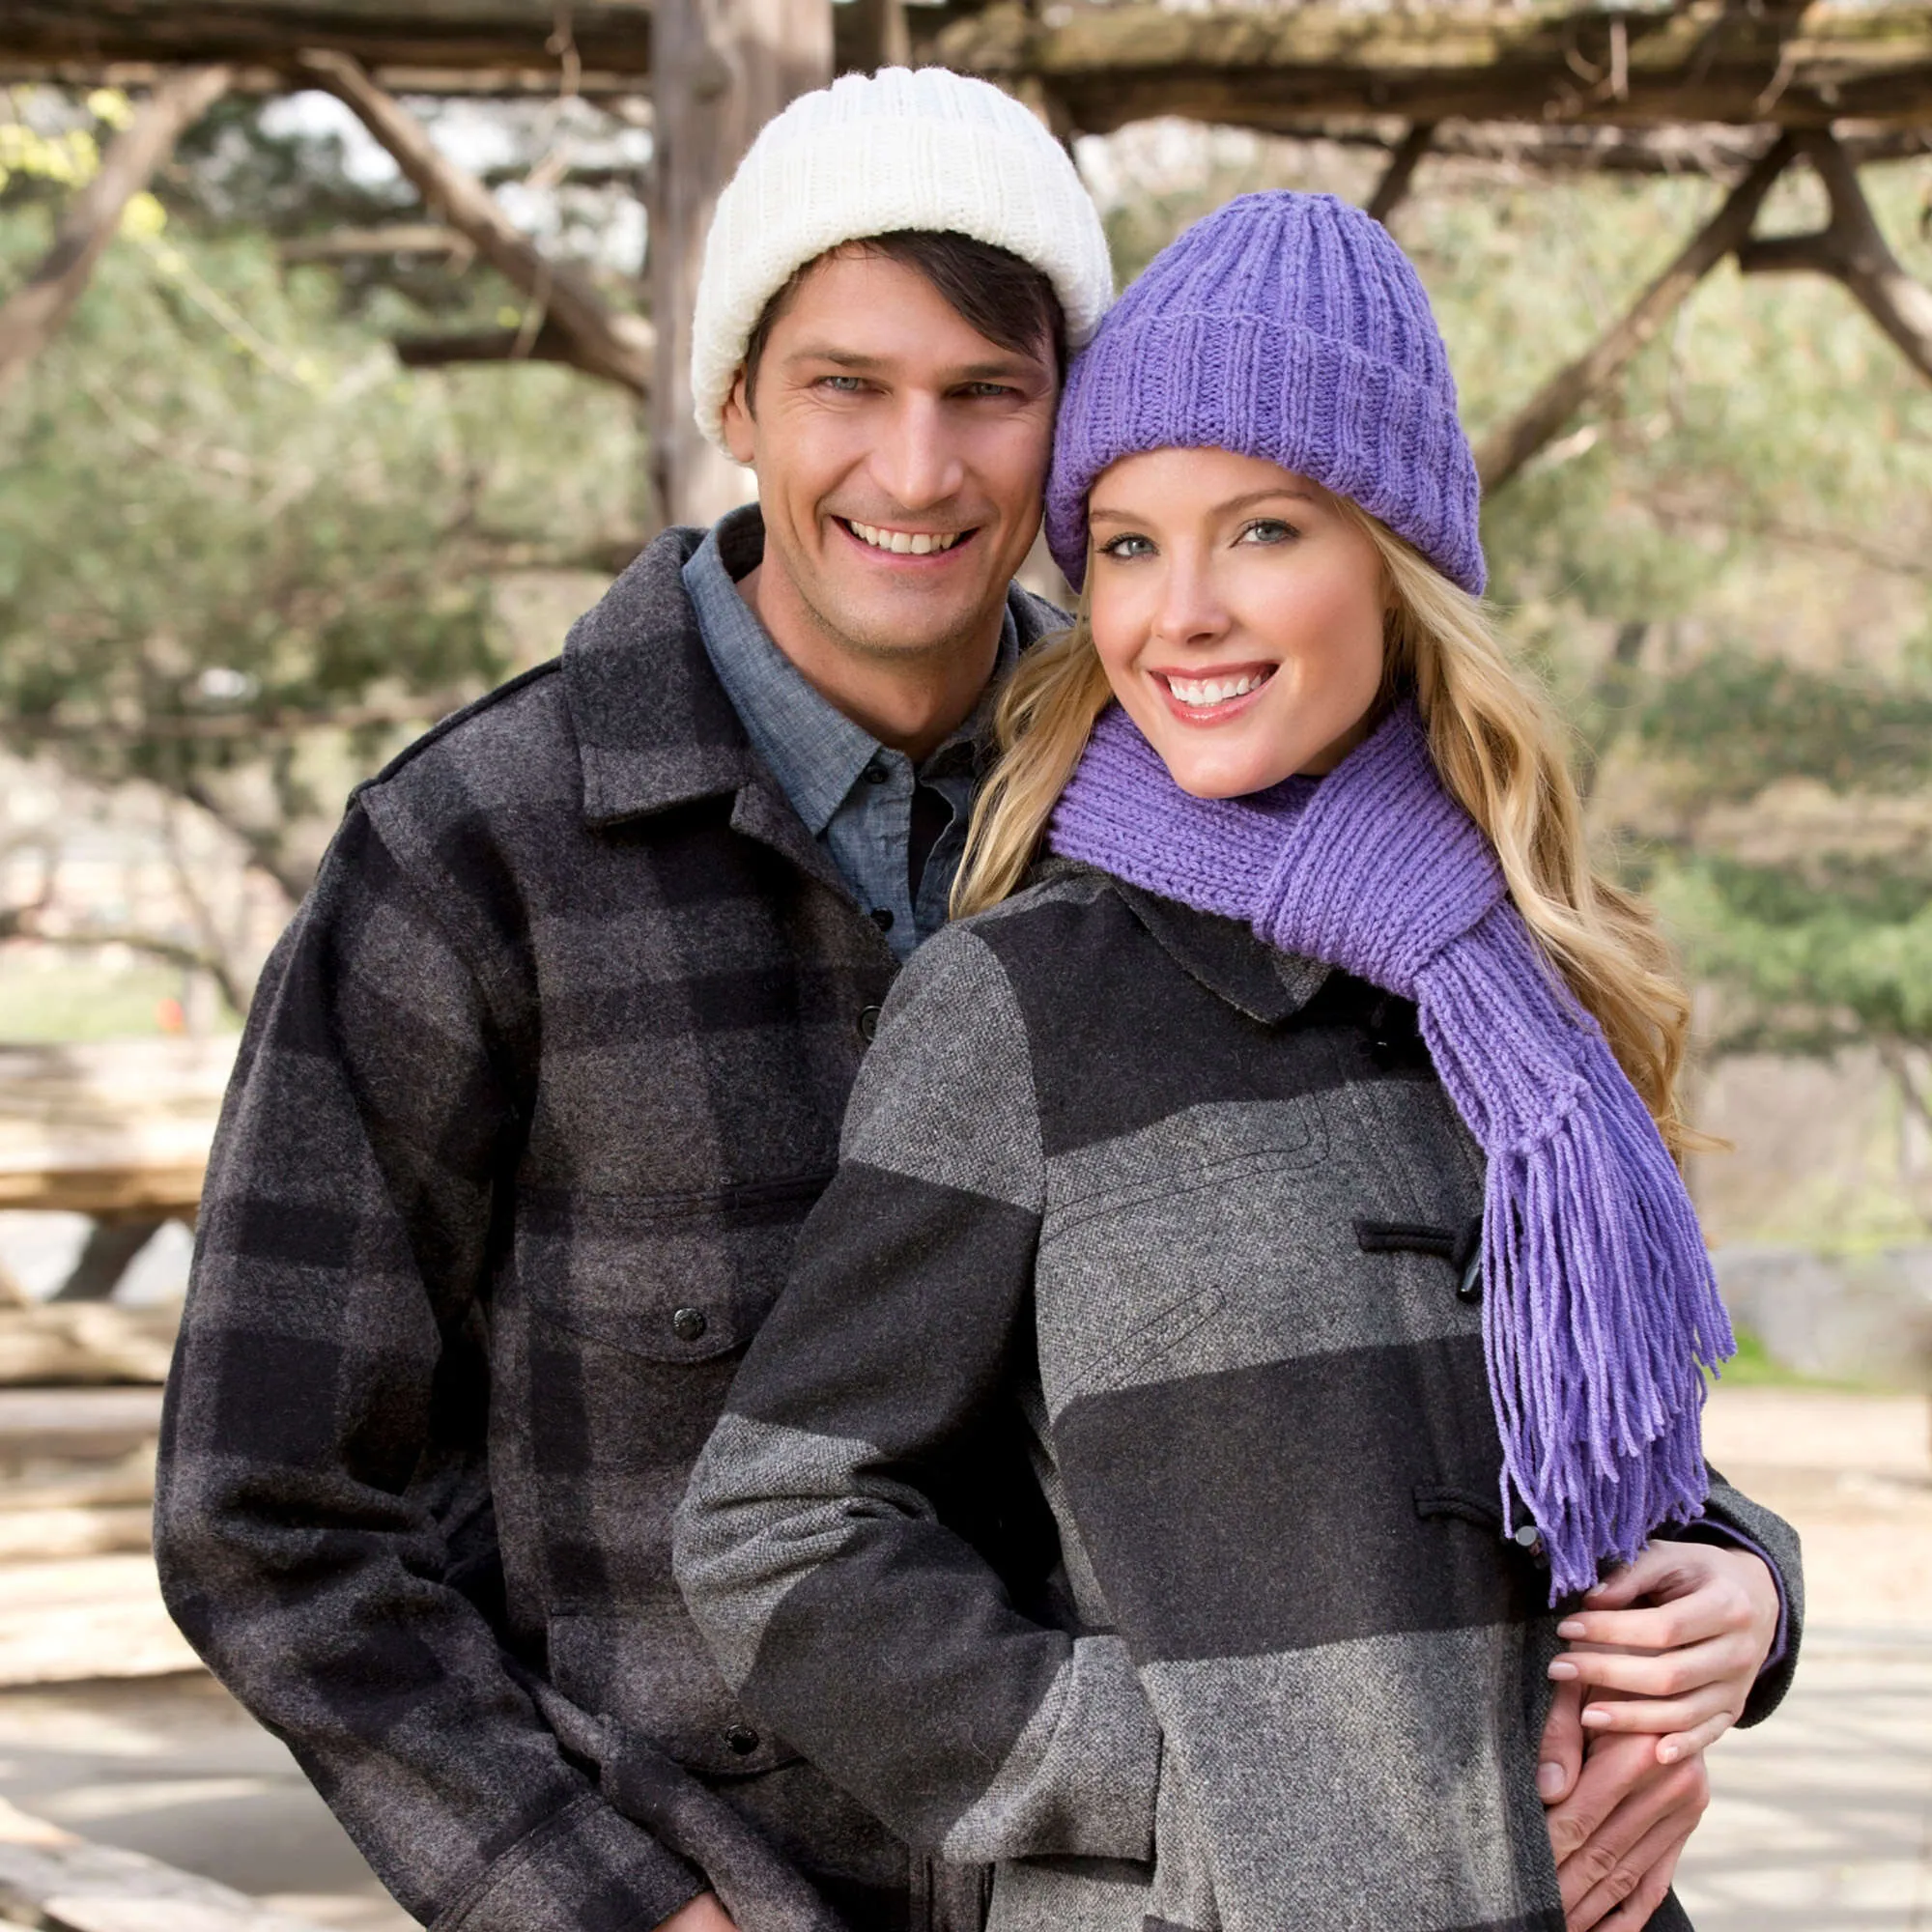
{"points": [[1100, 513], [1247, 502]]}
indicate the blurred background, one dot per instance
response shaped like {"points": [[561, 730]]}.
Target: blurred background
{"points": [[341, 367]]}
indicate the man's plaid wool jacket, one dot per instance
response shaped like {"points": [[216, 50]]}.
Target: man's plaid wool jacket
{"points": [[534, 1094]]}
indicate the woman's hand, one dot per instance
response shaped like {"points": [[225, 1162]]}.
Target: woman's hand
{"points": [[702, 1915], [1685, 1657]]}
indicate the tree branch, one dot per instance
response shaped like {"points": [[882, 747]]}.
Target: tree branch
{"points": [[1393, 187], [174, 952], [34, 314], [395, 237], [1852, 249], [1504, 451], [607, 343], [549, 344], [258, 847]]}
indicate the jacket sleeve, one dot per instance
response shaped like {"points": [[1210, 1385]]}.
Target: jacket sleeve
{"points": [[815, 1544], [327, 1405]]}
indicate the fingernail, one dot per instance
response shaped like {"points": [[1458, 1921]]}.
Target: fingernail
{"points": [[1595, 1713], [1570, 1627], [1562, 1669], [1666, 1753], [1549, 1780]]}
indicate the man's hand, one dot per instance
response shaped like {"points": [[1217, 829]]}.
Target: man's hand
{"points": [[1618, 1834], [702, 1915], [1687, 1659]]}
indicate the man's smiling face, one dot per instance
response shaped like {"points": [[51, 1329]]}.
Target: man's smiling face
{"points": [[900, 457]]}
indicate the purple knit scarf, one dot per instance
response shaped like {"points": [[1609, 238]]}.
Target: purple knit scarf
{"points": [[1600, 1310]]}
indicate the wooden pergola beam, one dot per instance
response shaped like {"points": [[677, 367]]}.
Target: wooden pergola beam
{"points": [[1852, 249], [547, 344], [605, 341], [522, 44], [34, 313], [1502, 454], [1272, 69], [1723, 154]]}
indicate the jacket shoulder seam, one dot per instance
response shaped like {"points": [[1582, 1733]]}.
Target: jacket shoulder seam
{"points": [[443, 727]]}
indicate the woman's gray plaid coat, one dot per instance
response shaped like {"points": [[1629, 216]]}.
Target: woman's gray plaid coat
{"points": [[1188, 1216]]}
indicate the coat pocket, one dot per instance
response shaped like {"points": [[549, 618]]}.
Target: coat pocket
{"points": [[668, 1278], [617, 1336]]}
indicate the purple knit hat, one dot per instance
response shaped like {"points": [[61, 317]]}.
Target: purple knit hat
{"points": [[1289, 326]]}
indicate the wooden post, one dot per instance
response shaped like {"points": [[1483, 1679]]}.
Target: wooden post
{"points": [[872, 33], [721, 69]]}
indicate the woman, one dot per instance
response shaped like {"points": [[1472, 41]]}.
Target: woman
{"points": [[1288, 1170]]}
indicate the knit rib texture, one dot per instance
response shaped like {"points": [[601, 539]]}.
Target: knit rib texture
{"points": [[1600, 1309], [1289, 326], [874, 153]]}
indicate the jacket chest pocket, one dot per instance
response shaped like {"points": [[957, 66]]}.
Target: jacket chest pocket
{"points": [[625, 1319], [1158, 1247]]}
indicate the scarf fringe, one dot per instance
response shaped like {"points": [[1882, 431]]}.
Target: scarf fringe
{"points": [[1600, 1312]]}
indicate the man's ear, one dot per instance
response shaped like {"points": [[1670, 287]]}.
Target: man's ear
{"points": [[739, 430]]}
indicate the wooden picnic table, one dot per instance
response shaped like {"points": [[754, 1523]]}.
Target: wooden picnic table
{"points": [[117, 1129]]}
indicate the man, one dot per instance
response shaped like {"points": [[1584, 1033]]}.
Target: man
{"points": [[551, 1064]]}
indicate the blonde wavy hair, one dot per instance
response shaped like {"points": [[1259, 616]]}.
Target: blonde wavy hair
{"points": [[1500, 750]]}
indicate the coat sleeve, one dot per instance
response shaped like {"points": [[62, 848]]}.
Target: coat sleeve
{"points": [[325, 1411], [814, 1545], [1732, 1520]]}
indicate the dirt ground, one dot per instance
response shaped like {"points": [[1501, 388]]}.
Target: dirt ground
{"points": [[1822, 1822]]}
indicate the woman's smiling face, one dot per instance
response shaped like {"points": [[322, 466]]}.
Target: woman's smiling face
{"points": [[1238, 612]]}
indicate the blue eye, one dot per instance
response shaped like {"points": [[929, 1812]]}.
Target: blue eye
{"points": [[1268, 530], [1124, 548], [844, 386]]}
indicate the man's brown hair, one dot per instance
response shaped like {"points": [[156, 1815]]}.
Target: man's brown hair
{"points": [[991, 290]]}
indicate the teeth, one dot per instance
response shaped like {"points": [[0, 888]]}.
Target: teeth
{"points": [[904, 543], [1207, 691]]}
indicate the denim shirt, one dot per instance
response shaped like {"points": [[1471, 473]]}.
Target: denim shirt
{"points": [[853, 793]]}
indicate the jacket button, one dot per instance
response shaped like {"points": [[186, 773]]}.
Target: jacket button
{"points": [[741, 1740], [689, 1323], [882, 917], [868, 1021], [875, 773]]}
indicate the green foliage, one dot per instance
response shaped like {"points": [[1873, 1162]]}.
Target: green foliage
{"points": [[1820, 962], [1746, 722], [227, 510]]}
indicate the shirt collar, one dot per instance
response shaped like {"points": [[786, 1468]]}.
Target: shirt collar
{"points": [[815, 753]]}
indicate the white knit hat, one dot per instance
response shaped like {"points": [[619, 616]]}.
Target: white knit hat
{"points": [[872, 153]]}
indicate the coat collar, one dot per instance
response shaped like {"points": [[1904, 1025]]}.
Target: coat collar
{"points": [[654, 727], [1227, 958]]}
